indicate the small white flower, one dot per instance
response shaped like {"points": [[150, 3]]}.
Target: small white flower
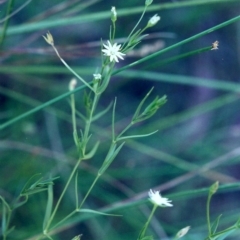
{"points": [[113, 52], [215, 45], [153, 20], [97, 76], [157, 199], [183, 232]]}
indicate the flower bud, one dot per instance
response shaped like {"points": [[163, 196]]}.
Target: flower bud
{"points": [[97, 76], [182, 232], [49, 38], [153, 21], [114, 14], [77, 237], [72, 84], [213, 189]]}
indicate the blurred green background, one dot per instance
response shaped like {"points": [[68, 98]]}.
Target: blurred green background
{"points": [[199, 132]]}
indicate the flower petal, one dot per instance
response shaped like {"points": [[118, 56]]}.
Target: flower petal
{"points": [[113, 51]]}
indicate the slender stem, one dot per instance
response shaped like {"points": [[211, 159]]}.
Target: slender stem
{"points": [[75, 135], [86, 132], [151, 215], [76, 189], [9, 9], [181, 56], [65, 218], [145, 8], [49, 205], [218, 234], [70, 69], [143, 30], [61, 196], [147, 223], [124, 130], [114, 31], [89, 120], [89, 190], [113, 119], [208, 215]]}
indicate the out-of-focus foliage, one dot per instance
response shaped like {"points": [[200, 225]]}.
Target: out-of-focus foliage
{"points": [[199, 130]]}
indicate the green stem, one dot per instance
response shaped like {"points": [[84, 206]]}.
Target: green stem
{"points": [[86, 133], [123, 131], [208, 215], [5, 26], [89, 190], [61, 196], [65, 218], [73, 107], [76, 189], [78, 207], [71, 70], [89, 120], [181, 56], [218, 234], [113, 119], [151, 215], [145, 8], [113, 33], [147, 223]]}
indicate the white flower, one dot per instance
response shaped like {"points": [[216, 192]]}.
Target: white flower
{"points": [[183, 232], [215, 45], [157, 199], [97, 76], [153, 20], [113, 51]]}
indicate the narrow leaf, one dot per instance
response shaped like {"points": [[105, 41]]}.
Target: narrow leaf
{"points": [[137, 136], [48, 211], [215, 224], [99, 115], [97, 212], [92, 152], [110, 157]]}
